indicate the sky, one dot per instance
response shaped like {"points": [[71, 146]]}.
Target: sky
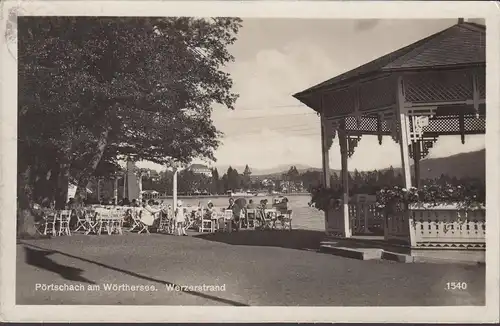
{"points": [[276, 58]]}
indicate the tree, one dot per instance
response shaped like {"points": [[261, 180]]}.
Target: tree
{"points": [[293, 173], [233, 179], [104, 88], [246, 182], [215, 185]]}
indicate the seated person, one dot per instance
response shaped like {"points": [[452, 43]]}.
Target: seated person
{"points": [[149, 214], [251, 204], [281, 204], [210, 209]]}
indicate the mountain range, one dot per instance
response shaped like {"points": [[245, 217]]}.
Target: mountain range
{"points": [[471, 164]]}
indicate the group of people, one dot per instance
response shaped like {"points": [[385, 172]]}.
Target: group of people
{"points": [[152, 211], [240, 205]]}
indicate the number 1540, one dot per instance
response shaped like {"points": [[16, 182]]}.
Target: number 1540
{"points": [[456, 286]]}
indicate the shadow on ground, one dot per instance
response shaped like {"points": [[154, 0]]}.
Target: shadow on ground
{"points": [[40, 259], [294, 239]]}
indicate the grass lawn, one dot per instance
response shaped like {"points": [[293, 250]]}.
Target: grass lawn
{"points": [[251, 268]]}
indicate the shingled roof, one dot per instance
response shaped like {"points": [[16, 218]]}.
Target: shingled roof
{"points": [[459, 45]]}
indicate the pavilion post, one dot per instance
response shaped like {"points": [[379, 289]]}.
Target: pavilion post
{"points": [[99, 190], [403, 133], [345, 180], [325, 149], [140, 187], [416, 163], [115, 191], [326, 143], [125, 186], [174, 190]]}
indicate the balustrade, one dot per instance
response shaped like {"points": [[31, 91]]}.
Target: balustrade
{"points": [[437, 227]]}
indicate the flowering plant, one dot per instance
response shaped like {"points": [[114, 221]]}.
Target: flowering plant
{"points": [[326, 198], [468, 196]]}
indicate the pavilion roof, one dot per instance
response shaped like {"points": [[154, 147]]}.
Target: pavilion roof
{"points": [[460, 45]]}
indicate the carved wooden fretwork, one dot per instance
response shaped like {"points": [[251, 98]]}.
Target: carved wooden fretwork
{"points": [[327, 134], [418, 120], [352, 143], [391, 120], [379, 129], [357, 113], [425, 144], [475, 93], [461, 126]]}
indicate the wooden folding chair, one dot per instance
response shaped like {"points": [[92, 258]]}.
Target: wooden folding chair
{"points": [[228, 220], [207, 223], [91, 220], [50, 224], [103, 220], [190, 220], [164, 224], [64, 217], [251, 216], [267, 219], [116, 221], [144, 225], [136, 219], [285, 220], [81, 221]]}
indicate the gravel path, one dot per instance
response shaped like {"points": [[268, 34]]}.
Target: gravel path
{"points": [[250, 268]]}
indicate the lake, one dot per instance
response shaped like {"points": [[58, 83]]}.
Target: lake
{"points": [[304, 217]]}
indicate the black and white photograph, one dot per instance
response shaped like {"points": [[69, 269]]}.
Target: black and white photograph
{"points": [[199, 161]]}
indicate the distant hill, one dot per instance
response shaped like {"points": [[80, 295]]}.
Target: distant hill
{"points": [[470, 164], [280, 169]]}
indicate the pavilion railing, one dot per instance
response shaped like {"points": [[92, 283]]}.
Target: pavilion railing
{"points": [[426, 227]]}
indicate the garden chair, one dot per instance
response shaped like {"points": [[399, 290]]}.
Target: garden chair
{"points": [[64, 217], [285, 220], [191, 218], [50, 224], [104, 221], [164, 224], [136, 219], [228, 220], [266, 219], [144, 224], [251, 216], [207, 223], [116, 221], [81, 221], [92, 222]]}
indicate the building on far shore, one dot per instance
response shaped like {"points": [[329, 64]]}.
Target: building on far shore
{"points": [[200, 169], [150, 194]]}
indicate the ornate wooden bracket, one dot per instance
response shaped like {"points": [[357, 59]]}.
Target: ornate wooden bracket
{"points": [[391, 120], [379, 129], [357, 104], [475, 94], [352, 143], [330, 129], [461, 124], [425, 143]]}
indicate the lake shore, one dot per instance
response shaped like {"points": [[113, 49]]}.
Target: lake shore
{"points": [[249, 196]]}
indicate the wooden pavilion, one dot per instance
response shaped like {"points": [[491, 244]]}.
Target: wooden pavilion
{"points": [[433, 87]]}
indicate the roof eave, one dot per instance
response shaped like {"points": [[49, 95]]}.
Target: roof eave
{"points": [[440, 67]]}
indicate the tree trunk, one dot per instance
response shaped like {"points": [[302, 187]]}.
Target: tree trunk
{"points": [[64, 171], [62, 186], [25, 216], [89, 170]]}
